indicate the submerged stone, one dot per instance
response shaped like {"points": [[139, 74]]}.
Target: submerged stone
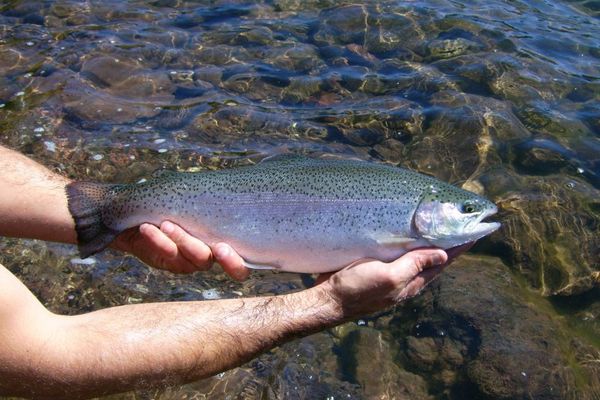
{"points": [[369, 360], [542, 218], [481, 332]]}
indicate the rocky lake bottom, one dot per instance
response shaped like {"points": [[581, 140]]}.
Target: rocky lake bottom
{"points": [[500, 98]]}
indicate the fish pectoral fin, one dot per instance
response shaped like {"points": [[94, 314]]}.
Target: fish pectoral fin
{"points": [[388, 239], [258, 266]]}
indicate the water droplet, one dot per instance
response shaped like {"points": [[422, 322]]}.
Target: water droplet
{"points": [[162, 150], [523, 373], [30, 44], [50, 146], [119, 109], [20, 94], [97, 157], [580, 170]]}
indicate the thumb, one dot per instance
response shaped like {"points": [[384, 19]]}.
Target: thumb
{"points": [[414, 262]]}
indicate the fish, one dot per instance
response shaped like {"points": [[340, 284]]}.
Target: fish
{"points": [[290, 213]]}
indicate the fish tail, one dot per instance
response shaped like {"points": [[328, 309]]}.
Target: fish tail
{"points": [[87, 201]]}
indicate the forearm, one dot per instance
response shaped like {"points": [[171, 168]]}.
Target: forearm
{"points": [[143, 345], [33, 202]]}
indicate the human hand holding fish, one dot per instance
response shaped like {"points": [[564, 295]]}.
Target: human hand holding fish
{"points": [[33, 205], [118, 348]]}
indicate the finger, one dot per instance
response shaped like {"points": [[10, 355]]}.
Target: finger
{"points": [[191, 248], [322, 278], [158, 250], [231, 261], [414, 262], [421, 281], [156, 242]]}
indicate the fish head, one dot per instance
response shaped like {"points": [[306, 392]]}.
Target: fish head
{"points": [[448, 216]]}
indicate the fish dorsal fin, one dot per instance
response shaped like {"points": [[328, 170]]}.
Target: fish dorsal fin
{"points": [[163, 173], [285, 157]]}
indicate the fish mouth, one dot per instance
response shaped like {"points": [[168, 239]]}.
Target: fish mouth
{"points": [[479, 228]]}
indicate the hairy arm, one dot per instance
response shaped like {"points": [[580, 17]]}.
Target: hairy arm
{"points": [[32, 200], [121, 348], [33, 204]]}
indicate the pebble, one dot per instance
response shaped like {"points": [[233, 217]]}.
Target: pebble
{"points": [[159, 141], [83, 261], [211, 294], [97, 157], [162, 150]]}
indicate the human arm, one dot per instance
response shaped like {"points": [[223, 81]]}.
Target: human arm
{"points": [[33, 204], [121, 348]]}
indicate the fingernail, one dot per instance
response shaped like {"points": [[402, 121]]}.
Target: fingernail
{"points": [[220, 252], [438, 258], [167, 227]]}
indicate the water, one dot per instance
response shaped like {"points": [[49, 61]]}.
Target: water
{"points": [[502, 98]]}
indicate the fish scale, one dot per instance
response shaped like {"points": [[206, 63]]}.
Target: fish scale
{"points": [[290, 213]]}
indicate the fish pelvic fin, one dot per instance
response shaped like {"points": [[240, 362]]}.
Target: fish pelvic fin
{"points": [[86, 201]]}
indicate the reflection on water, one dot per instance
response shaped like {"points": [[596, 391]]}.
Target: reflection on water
{"points": [[502, 98]]}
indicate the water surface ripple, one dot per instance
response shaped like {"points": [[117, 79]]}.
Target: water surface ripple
{"points": [[499, 97]]}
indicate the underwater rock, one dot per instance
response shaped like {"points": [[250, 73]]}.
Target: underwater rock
{"points": [[549, 229], [380, 31], [368, 359], [459, 143], [449, 48], [479, 324]]}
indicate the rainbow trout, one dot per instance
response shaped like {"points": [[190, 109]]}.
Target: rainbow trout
{"points": [[290, 213]]}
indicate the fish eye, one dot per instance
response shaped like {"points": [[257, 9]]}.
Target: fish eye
{"points": [[468, 208]]}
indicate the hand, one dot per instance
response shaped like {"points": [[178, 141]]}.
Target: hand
{"points": [[371, 286], [171, 248]]}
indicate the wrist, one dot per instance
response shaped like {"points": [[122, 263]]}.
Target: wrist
{"points": [[319, 307]]}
